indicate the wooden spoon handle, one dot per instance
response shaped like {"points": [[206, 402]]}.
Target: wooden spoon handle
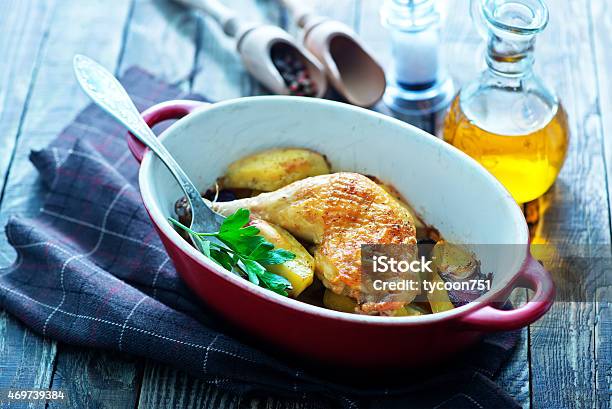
{"points": [[299, 10], [223, 15]]}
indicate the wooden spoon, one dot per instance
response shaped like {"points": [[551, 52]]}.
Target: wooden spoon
{"points": [[255, 44], [350, 67]]}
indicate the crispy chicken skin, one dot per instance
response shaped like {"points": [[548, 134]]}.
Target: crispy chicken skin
{"points": [[338, 213]]}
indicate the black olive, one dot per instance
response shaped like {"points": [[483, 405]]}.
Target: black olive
{"points": [[226, 195], [183, 211]]}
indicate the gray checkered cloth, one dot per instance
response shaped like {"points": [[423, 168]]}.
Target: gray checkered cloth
{"points": [[91, 271]]}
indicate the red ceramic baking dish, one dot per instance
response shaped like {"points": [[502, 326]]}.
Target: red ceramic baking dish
{"points": [[446, 187]]}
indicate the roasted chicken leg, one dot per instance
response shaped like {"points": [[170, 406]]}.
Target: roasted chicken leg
{"points": [[338, 213]]}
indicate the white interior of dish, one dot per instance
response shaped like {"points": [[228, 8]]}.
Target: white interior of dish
{"points": [[447, 188]]}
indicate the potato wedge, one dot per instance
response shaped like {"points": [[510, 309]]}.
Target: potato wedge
{"points": [[407, 311], [345, 303], [438, 299], [300, 270], [272, 169], [338, 302], [454, 260]]}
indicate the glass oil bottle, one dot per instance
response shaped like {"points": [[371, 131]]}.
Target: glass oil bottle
{"points": [[507, 119]]}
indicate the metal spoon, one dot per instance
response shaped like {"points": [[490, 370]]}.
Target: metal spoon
{"points": [[104, 89]]}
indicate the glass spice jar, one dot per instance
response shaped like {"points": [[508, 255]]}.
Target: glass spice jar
{"points": [[418, 83]]}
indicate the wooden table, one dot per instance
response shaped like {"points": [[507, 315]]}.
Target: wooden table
{"points": [[563, 361]]}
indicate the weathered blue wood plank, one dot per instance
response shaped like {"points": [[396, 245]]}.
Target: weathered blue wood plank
{"points": [[175, 389], [563, 365], [25, 358], [601, 29], [95, 379], [23, 25], [161, 38], [603, 347], [23, 28], [56, 97], [165, 387], [76, 26]]}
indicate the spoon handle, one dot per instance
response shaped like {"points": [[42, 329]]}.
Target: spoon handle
{"points": [[223, 15], [299, 10], [109, 94]]}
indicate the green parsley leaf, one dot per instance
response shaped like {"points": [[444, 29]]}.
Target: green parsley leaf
{"points": [[277, 256], [261, 250], [243, 245], [276, 283], [202, 245], [253, 269], [241, 250], [235, 221], [223, 259]]}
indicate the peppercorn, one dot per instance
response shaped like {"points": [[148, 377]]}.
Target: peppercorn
{"points": [[293, 70]]}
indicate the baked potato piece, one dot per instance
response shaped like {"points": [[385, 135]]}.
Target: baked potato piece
{"points": [[344, 303], [456, 263], [337, 302], [300, 270], [453, 261], [407, 311], [272, 169], [449, 262], [438, 298]]}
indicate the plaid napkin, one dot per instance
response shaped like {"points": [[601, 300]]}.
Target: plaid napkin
{"points": [[91, 271]]}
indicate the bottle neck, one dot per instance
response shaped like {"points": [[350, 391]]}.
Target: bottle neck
{"points": [[510, 58]]}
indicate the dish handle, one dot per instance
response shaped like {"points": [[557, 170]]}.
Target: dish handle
{"points": [[162, 112], [532, 276]]}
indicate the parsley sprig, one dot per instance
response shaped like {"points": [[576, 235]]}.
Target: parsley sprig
{"points": [[240, 249]]}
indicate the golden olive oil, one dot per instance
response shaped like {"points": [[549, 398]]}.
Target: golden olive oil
{"points": [[527, 164]]}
